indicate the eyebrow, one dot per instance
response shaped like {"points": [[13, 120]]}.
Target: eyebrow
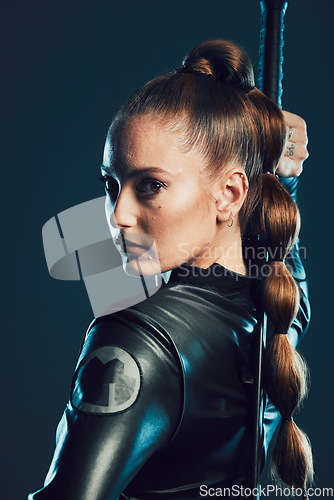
{"points": [[140, 171]]}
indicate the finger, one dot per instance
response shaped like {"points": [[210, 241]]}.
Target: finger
{"points": [[296, 128], [289, 167], [290, 149], [291, 163], [296, 135], [296, 151], [295, 148], [294, 120]]}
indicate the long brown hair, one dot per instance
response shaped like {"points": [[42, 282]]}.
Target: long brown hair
{"points": [[211, 103]]}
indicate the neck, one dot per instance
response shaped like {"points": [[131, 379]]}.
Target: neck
{"points": [[226, 252], [235, 261]]}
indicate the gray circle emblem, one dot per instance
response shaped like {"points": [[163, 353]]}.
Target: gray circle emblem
{"points": [[107, 381]]}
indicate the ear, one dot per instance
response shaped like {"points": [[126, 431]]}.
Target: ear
{"points": [[230, 193]]}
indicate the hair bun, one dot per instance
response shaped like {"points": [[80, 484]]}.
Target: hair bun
{"points": [[226, 62]]}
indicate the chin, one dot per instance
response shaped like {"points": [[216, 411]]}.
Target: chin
{"points": [[141, 265]]}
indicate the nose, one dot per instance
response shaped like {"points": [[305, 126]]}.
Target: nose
{"points": [[123, 212]]}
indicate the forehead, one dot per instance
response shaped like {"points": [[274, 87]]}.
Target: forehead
{"points": [[140, 142]]}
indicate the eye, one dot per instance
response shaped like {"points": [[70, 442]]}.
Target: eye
{"points": [[150, 187], [110, 185]]}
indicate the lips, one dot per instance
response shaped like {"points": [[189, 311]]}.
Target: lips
{"points": [[129, 243], [129, 246], [134, 250]]}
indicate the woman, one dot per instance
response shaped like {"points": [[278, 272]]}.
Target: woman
{"points": [[162, 399]]}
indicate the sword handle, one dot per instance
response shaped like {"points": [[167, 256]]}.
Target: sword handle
{"points": [[271, 48], [270, 83]]}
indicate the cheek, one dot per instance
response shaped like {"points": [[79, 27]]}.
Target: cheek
{"points": [[178, 219], [191, 207]]}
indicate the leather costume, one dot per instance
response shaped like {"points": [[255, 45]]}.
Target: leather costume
{"points": [[162, 397]]}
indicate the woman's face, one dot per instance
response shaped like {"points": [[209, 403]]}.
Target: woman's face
{"points": [[159, 205]]}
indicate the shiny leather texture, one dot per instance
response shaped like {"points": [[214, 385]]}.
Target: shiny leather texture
{"points": [[191, 422]]}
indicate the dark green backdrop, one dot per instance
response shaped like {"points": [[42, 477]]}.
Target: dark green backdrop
{"points": [[66, 68]]}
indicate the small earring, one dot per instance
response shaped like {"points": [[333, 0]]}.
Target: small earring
{"points": [[243, 178], [231, 223]]}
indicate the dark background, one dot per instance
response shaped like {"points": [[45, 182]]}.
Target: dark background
{"points": [[66, 68]]}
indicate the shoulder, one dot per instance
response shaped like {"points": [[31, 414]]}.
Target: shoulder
{"points": [[179, 317], [176, 304], [183, 332], [128, 349]]}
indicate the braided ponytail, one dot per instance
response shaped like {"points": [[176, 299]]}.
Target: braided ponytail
{"points": [[285, 372], [212, 104]]}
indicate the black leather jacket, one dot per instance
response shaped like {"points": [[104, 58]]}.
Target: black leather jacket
{"points": [[162, 397]]}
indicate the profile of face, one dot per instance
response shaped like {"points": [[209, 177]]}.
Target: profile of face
{"points": [[160, 205]]}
